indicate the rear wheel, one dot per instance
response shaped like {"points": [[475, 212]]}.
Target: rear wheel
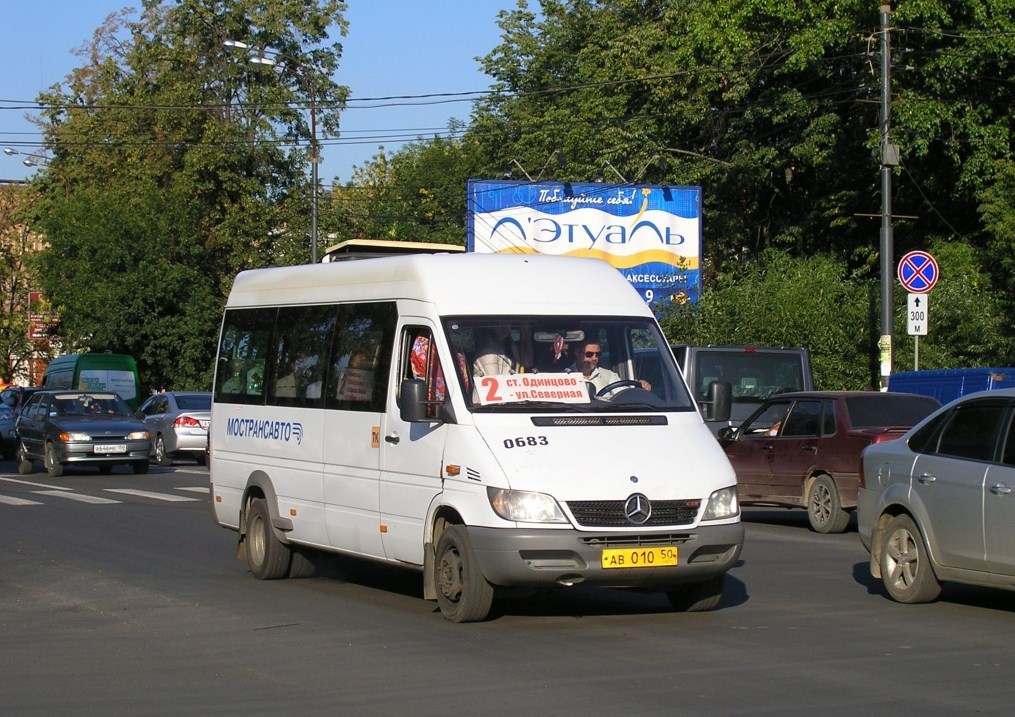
{"points": [[25, 464], [267, 556], [53, 465], [161, 456], [905, 563], [824, 509], [698, 597], [463, 594]]}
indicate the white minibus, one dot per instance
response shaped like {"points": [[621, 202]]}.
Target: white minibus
{"points": [[473, 416]]}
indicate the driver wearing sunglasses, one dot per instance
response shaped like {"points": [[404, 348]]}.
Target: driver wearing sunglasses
{"points": [[587, 354]]}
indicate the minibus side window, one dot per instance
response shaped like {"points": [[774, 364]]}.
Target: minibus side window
{"points": [[361, 357], [243, 348], [303, 336], [419, 360]]}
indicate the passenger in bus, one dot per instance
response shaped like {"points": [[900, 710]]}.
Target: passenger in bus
{"points": [[357, 380], [235, 382], [418, 360], [586, 361], [498, 354], [288, 385]]}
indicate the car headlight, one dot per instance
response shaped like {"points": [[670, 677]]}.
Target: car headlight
{"points": [[75, 436], [523, 506], [722, 504], [138, 436]]}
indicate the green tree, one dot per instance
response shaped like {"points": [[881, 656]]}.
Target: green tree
{"points": [[815, 302], [178, 162], [416, 194], [17, 242]]}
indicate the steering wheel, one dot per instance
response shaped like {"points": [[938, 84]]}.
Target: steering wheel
{"points": [[611, 387]]}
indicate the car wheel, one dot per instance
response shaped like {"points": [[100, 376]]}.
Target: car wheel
{"points": [[905, 563], [697, 597], [463, 594], [25, 464], [202, 459], [267, 556], [161, 456], [53, 465], [824, 509]]}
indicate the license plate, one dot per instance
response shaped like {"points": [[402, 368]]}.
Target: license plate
{"points": [[639, 557], [110, 448]]}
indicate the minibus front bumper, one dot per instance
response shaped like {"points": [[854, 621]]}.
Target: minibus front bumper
{"points": [[546, 558]]}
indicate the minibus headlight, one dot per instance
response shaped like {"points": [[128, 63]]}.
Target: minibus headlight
{"points": [[722, 504], [523, 506]]}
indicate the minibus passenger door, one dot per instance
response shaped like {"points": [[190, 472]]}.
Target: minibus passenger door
{"points": [[412, 451]]}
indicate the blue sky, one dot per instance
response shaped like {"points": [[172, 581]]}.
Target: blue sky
{"points": [[394, 47]]}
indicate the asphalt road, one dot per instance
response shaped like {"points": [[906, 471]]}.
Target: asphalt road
{"points": [[132, 603]]}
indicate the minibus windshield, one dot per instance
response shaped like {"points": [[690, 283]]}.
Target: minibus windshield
{"points": [[564, 364]]}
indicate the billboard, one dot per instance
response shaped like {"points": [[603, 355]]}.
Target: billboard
{"points": [[650, 233]]}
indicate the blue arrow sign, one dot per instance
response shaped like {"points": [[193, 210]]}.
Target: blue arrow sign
{"points": [[918, 272]]}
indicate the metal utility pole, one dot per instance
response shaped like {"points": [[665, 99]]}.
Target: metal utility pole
{"points": [[889, 159]]}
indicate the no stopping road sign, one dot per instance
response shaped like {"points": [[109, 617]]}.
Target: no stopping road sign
{"points": [[918, 272]]}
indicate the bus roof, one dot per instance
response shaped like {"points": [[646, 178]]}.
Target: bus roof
{"points": [[456, 283]]}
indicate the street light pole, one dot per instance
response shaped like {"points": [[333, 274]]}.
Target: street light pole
{"points": [[315, 150], [314, 160]]}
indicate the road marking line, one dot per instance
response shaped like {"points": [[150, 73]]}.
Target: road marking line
{"points": [[78, 497], [150, 494], [37, 485], [11, 500], [195, 489]]}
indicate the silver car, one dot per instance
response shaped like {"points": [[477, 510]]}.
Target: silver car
{"points": [[178, 422], [938, 504]]}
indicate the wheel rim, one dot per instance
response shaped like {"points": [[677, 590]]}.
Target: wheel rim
{"points": [[160, 450], [902, 559], [255, 540], [449, 575], [821, 504], [50, 456]]}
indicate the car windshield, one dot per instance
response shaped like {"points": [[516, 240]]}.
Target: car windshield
{"points": [[564, 364], [755, 376], [878, 410], [89, 404]]}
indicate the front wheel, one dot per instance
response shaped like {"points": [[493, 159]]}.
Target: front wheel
{"points": [[53, 465], [161, 456], [905, 563], [698, 597], [824, 509], [25, 464], [463, 594], [267, 556]]}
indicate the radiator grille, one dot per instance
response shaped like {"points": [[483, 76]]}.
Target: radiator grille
{"points": [[610, 513]]}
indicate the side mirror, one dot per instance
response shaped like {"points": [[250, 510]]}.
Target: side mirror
{"points": [[719, 404], [413, 404]]}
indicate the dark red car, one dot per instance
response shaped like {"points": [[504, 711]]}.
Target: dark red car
{"points": [[803, 449]]}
